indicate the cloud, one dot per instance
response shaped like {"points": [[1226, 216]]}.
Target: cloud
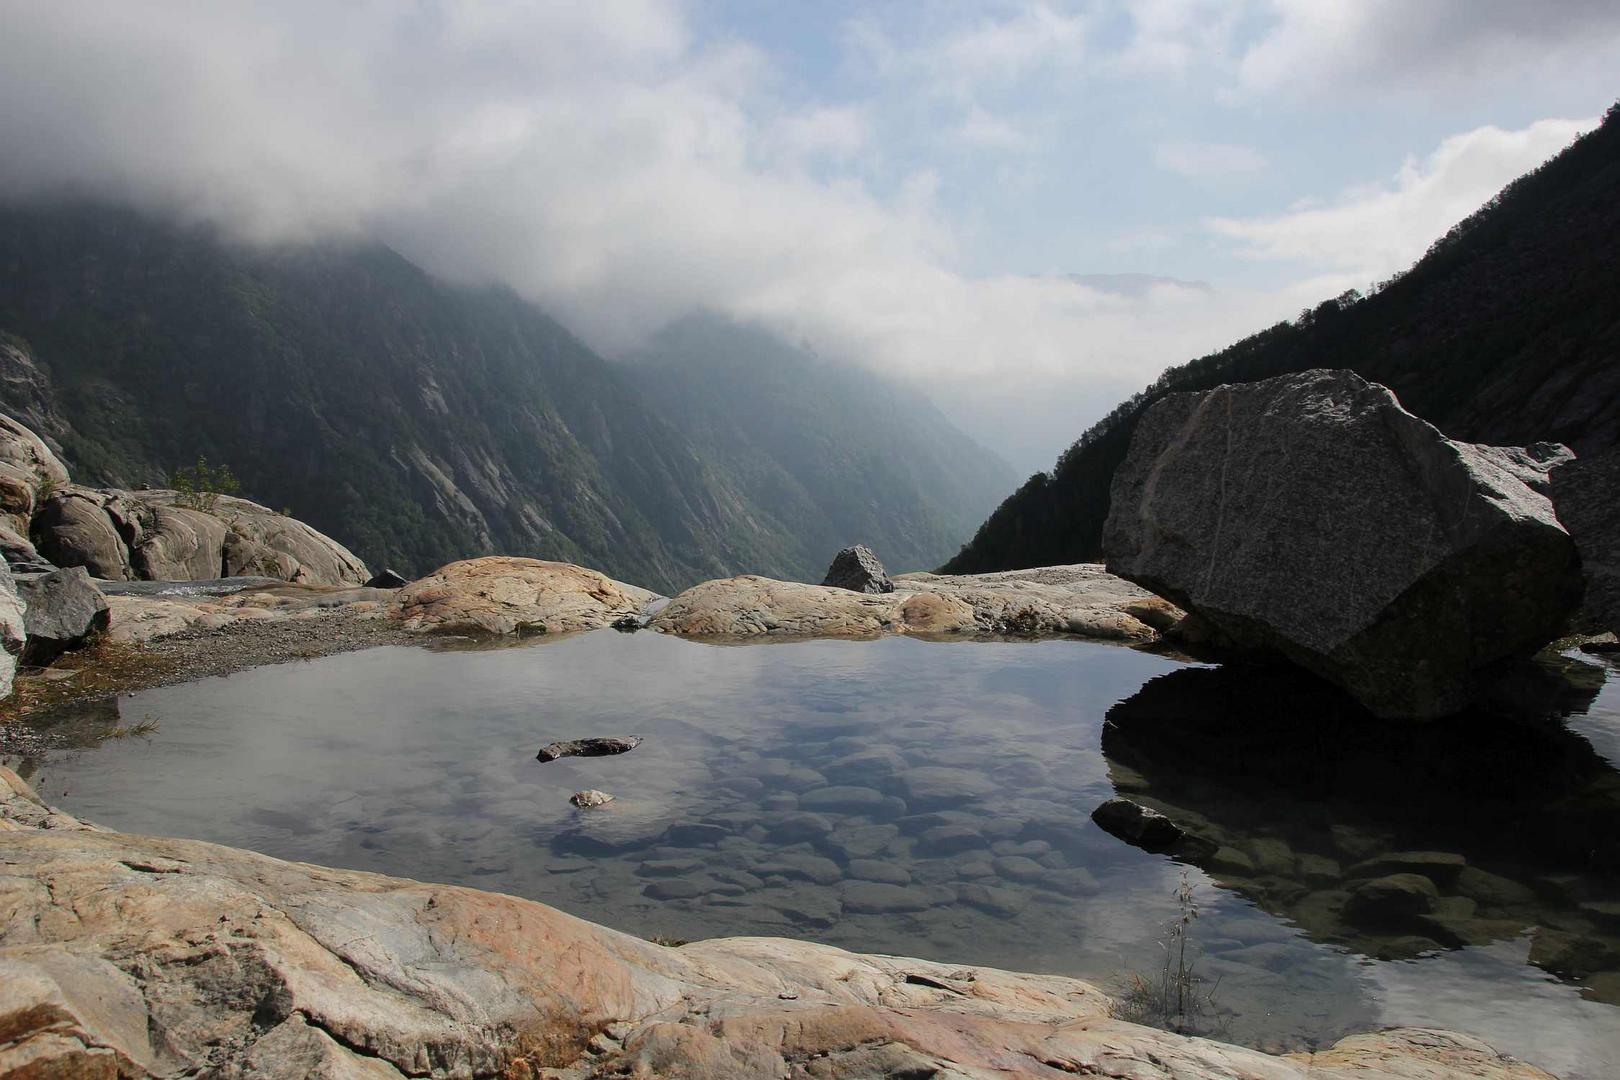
{"points": [[1381, 46], [1372, 231], [983, 130], [621, 170], [1205, 160]]}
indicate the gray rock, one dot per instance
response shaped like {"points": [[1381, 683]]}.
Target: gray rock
{"points": [[694, 834], [387, 579], [150, 536], [934, 786], [878, 870], [864, 841], [844, 800], [1137, 824], [876, 898], [1391, 900], [793, 827], [1586, 492], [858, 570], [950, 839], [1019, 868], [64, 609], [593, 747], [801, 867], [590, 799], [1311, 517], [1003, 903], [12, 631]]}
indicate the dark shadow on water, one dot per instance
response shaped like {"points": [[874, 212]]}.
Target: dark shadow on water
{"points": [[1391, 839]]}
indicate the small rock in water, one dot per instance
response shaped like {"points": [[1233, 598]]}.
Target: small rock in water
{"points": [[627, 624], [858, 570], [589, 798], [597, 747], [1136, 824]]}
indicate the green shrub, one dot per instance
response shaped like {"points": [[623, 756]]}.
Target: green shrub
{"points": [[199, 486]]}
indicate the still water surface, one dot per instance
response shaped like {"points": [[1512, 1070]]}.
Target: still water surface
{"points": [[910, 797]]}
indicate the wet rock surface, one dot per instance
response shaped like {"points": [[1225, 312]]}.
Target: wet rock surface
{"points": [[1391, 839], [1309, 517], [595, 746], [287, 970], [1586, 492]]}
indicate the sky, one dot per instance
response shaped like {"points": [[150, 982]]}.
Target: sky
{"points": [[909, 186]]}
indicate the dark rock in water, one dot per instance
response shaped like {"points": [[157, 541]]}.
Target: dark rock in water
{"points": [[1310, 517], [388, 579], [858, 570], [1391, 900], [1137, 824], [1586, 492], [1602, 645], [597, 747], [627, 624], [64, 608]]}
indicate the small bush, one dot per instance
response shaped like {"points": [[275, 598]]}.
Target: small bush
{"points": [[199, 486]]}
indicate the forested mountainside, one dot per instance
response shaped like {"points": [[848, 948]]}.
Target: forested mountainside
{"points": [[415, 421], [1507, 331], [835, 454]]}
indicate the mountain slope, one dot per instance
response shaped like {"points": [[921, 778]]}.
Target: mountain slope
{"points": [[834, 454], [1507, 331], [415, 421]]}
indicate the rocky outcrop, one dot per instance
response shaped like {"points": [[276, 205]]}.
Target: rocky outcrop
{"points": [[29, 472], [65, 609], [858, 570], [502, 595], [1310, 516], [1080, 600], [1586, 492], [150, 536], [136, 956], [142, 617], [12, 631]]}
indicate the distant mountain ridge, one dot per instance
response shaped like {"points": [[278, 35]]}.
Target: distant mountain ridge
{"points": [[415, 421], [1506, 332], [836, 454]]}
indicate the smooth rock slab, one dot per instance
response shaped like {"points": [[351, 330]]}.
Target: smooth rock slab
{"points": [[139, 956], [1310, 517], [502, 595]]}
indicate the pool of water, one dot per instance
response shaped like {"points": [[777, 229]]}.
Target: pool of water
{"points": [[933, 799]]}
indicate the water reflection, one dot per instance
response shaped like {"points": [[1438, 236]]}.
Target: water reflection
{"points": [[896, 796], [1391, 839]]}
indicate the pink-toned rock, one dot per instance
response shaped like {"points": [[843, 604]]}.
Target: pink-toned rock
{"points": [[503, 595], [136, 956]]}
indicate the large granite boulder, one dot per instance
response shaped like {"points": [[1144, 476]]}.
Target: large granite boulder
{"points": [[1586, 492], [151, 536], [13, 633], [29, 472], [504, 595], [64, 610], [858, 570], [1310, 516], [136, 956]]}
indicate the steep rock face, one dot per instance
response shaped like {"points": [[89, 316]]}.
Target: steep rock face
{"points": [[29, 470], [500, 595], [1313, 517], [12, 631], [136, 956], [148, 536], [1586, 492]]}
